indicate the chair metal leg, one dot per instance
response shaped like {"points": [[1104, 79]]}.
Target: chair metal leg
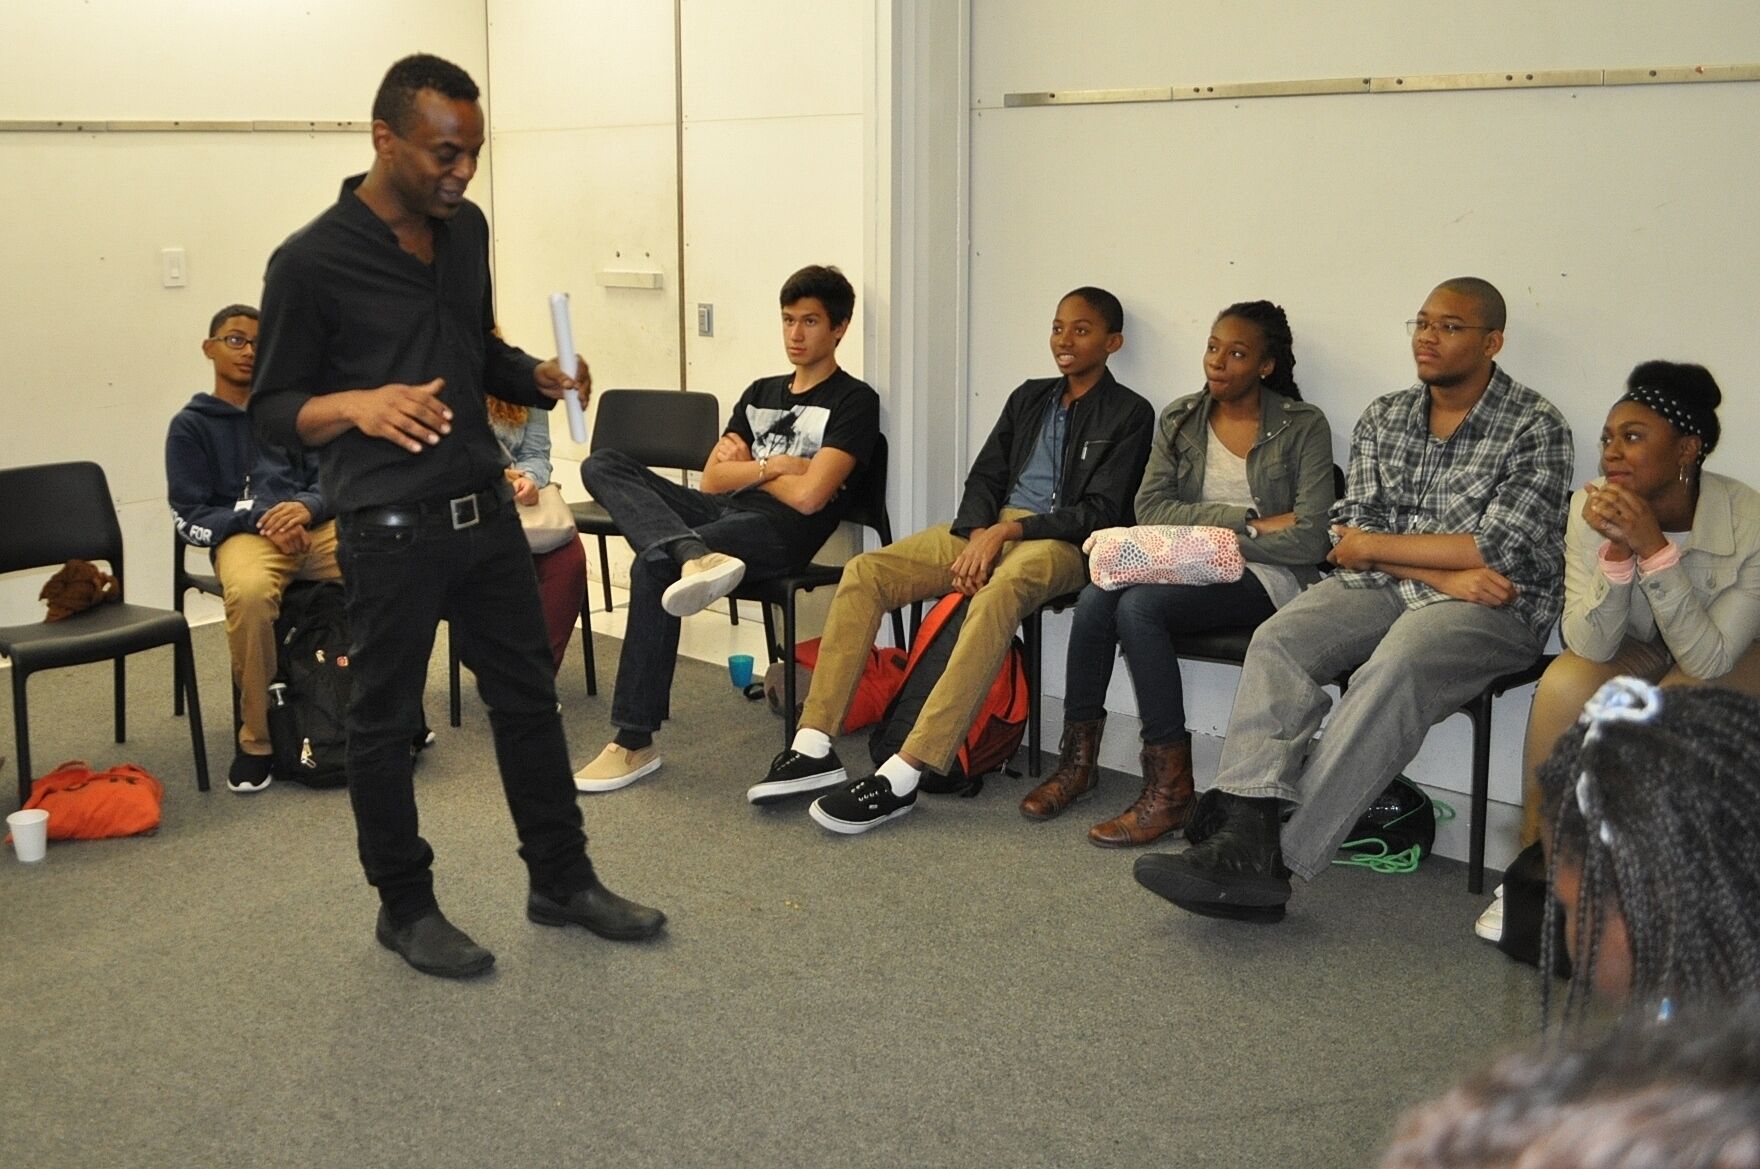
{"points": [[21, 734], [770, 646], [184, 657], [1479, 710], [605, 573], [587, 640], [177, 667], [1034, 626], [788, 693], [122, 700], [455, 710]]}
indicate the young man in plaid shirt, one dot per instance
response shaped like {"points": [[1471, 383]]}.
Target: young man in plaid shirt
{"points": [[1449, 546]]}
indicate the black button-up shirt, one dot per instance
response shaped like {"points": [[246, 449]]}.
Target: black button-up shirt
{"points": [[345, 308]]}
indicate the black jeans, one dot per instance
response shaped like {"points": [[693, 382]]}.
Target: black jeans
{"points": [[1143, 620], [653, 513], [401, 581]]}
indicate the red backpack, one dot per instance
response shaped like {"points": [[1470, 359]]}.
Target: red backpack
{"points": [[998, 727]]}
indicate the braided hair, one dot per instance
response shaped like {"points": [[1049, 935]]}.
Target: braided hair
{"points": [[1678, 1095], [1274, 324], [1655, 794]]}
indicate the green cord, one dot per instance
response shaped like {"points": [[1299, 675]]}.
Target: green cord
{"points": [[1382, 861]]}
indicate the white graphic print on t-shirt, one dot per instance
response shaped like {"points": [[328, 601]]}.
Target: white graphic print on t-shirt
{"points": [[798, 431]]}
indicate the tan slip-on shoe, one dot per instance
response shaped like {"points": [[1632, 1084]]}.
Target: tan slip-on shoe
{"points": [[703, 581], [617, 767]]}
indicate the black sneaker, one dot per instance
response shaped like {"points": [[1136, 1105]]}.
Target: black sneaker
{"points": [[1237, 872], [794, 774], [249, 773], [859, 806], [423, 739]]}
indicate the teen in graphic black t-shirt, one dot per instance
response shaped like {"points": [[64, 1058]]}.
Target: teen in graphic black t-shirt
{"points": [[772, 491]]}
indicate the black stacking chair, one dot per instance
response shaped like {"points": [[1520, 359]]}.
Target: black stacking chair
{"points": [[182, 582], [63, 511], [667, 429]]}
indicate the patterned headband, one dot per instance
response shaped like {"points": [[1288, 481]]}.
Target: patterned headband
{"points": [[1686, 419], [1621, 700]]}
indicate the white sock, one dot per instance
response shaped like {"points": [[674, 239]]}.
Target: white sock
{"points": [[811, 743], [899, 775]]}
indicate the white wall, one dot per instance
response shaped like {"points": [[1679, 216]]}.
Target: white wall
{"points": [[98, 355], [1617, 222]]}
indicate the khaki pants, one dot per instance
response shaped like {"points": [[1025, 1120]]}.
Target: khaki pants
{"points": [[1570, 681], [253, 574], [1027, 574]]}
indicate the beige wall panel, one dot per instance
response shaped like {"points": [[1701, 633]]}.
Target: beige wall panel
{"points": [[777, 59], [749, 223], [220, 58], [100, 355], [568, 64], [571, 204]]}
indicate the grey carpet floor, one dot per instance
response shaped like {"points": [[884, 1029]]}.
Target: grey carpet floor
{"points": [[961, 988]]}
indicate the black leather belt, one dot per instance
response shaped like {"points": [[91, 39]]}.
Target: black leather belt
{"points": [[464, 511]]}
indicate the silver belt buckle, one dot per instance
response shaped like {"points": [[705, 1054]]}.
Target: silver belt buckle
{"points": [[464, 511]]}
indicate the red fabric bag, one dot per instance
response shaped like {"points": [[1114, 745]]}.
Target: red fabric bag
{"points": [[90, 805], [880, 680]]}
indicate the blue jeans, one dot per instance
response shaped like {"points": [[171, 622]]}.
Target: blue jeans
{"points": [[1413, 667], [653, 514], [400, 582], [1143, 620]]}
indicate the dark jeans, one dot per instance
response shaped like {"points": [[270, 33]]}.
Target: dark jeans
{"points": [[653, 513], [400, 583], [1143, 620]]}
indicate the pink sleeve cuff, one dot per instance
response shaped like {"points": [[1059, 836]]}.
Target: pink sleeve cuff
{"points": [[1666, 557], [1616, 571]]}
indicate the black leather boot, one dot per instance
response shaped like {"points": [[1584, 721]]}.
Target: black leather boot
{"points": [[1237, 871]]}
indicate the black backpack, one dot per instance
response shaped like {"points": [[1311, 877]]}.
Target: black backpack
{"points": [[308, 700], [1395, 832]]}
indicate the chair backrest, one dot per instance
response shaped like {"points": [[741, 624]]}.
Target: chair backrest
{"points": [[868, 505], [56, 512], [659, 428]]}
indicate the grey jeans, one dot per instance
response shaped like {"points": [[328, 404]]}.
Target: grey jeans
{"points": [[1414, 667]]}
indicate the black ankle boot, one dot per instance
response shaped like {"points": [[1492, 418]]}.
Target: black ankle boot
{"points": [[1236, 871]]}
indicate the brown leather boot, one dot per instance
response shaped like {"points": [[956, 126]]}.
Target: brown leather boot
{"points": [[1074, 778], [1164, 804]]}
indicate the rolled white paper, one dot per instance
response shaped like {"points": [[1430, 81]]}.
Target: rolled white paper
{"points": [[566, 358]]}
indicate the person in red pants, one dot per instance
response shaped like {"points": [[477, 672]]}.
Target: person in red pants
{"points": [[562, 571]]}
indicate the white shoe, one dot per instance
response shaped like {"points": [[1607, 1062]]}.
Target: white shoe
{"points": [[1490, 923], [703, 581], [617, 767]]}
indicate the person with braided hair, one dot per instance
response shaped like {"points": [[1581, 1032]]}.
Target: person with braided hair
{"points": [[1662, 581], [1247, 454], [1652, 801], [1678, 1095]]}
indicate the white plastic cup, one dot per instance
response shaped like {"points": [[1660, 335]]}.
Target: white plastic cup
{"points": [[30, 834]]}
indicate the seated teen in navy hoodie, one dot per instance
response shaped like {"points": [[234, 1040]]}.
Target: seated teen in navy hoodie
{"points": [[259, 512]]}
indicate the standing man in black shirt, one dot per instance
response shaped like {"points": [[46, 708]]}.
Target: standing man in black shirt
{"points": [[378, 345]]}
